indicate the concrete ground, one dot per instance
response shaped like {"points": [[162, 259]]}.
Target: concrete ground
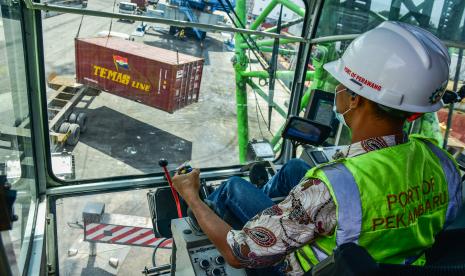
{"points": [[125, 137]]}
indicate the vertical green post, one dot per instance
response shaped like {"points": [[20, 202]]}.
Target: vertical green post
{"points": [[240, 65]]}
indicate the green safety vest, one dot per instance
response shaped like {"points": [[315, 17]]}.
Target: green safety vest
{"points": [[391, 201]]}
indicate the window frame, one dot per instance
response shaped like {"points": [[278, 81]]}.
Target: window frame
{"points": [[57, 186], [30, 242]]}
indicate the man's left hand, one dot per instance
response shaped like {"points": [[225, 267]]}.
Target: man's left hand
{"points": [[188, 185]]}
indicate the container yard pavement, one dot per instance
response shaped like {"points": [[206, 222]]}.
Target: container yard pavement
{"points": [[125, 137]]}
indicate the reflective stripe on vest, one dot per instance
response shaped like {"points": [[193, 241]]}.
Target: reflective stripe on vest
{"points": [[347, 196], [309, 255], [453, 182], [320, 255], [348, 225], [306, 257]]}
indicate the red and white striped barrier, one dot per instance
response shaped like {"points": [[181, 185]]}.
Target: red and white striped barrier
{"points": [[123, 235], [101, 227]]}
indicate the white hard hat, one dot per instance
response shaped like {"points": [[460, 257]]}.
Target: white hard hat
{"points": [[396, 65]]}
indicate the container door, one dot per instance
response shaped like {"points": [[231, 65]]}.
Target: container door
{"points": [[164, 97], [192, 67], [184, 90], [198, 77], [188, 84], [178, 87]]}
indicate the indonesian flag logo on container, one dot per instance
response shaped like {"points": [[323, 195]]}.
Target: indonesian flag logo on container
{"points": [[121, 62]]}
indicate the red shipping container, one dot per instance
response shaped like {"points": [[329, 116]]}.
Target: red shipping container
{"points": [[141, 4], [153, 76]]}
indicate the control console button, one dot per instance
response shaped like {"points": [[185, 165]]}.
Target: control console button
{"points": [[204, 264], [216, 272], [219, 260]]}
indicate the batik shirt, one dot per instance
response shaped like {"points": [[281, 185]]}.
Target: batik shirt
{"points": [[306, 213]]}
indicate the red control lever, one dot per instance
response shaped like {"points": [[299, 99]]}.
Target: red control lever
{"points": [[164, 163]]}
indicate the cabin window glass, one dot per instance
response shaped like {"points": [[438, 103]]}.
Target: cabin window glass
{"points": [[120, 98], [443, 18], [17, 166]]}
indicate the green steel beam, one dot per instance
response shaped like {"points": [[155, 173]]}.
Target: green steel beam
{"points": [[318, 82], [270, 42], [285, 25], [305, 98], [273, 29], [267, 49], [240, 65], [293, 7], [268, 9], [276, 139], [279, 74], [319, 75], [262, 94], [266, 46], [259, 20]]}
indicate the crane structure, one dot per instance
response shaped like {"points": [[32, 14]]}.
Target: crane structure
{"points": [[196, 11], [246, 77], [353, 17]]}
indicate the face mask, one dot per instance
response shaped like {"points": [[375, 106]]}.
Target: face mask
{"points": [[339, 116]]}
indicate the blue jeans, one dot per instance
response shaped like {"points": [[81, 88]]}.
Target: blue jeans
{"points": [[237, 200]]}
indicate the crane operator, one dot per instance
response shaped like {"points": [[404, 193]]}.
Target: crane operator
{"points": [[388, 187]]}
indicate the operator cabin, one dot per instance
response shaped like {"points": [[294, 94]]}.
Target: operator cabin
{"points": [[386, 187]]}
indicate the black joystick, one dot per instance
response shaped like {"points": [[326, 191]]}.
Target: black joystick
{"points": [[184, 168], [163, 162], [258, 175]]}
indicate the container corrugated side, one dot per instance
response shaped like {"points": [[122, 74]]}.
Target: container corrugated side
{"points": [[167, 80]]}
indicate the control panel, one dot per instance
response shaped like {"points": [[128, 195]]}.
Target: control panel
{"points": [[207, 261], [195, 254]]}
